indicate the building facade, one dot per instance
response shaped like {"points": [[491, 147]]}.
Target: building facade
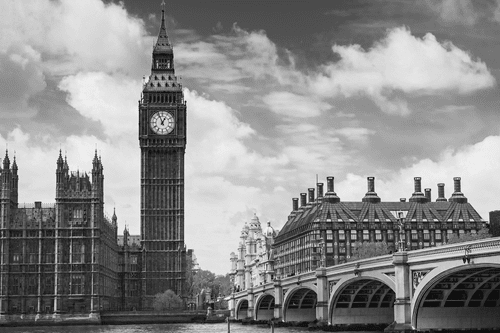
{"points": [[253, 265], [66, 258], [323, 230], [162, 139], [58, 258]]}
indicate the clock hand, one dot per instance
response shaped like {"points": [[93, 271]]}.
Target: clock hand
{"points": [[162, 121]]}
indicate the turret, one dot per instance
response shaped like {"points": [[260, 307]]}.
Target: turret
{"points": [[61, 175], [6, 178], [114, 221], [97, 177], [15, 183]]}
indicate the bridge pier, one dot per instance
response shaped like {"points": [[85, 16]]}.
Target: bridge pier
{"points": [[322, 294], [232, 307], [402, 304], [278, 300], [251, 298]]}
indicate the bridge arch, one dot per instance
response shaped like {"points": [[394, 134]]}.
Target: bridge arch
{"points": [[300, 304], [458, 296], [264, 308], [242, 309], [366, 299]]}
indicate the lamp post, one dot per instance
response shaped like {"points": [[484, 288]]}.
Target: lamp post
{"points": [[401, 222], [321, 244], [276, 269]]}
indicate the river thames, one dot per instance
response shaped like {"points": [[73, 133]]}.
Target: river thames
{"points": [[153, 328]]}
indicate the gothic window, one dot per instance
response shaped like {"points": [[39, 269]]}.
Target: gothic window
{"points": [[77, 284], [77, 214]]}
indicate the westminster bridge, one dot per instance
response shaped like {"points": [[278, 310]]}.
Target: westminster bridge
{"points": [[454, 286]]}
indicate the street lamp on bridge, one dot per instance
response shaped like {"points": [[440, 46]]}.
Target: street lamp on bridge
{"points": [[401, 223]]}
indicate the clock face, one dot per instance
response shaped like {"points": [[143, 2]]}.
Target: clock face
{"points": [[162, 122]]}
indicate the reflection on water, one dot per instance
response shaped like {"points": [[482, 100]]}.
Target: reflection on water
{"points": [[153, 328]]}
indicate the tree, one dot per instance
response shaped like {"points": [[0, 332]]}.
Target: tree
{"points": [[167, 301], [362, 250], [468, 236]]}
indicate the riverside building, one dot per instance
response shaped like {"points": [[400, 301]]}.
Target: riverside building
{"points": [[324, 227], [66, 259]]}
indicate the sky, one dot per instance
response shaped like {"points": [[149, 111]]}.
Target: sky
{"points": [[278, 93]]}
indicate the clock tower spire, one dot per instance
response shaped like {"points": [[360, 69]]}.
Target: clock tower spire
{"points": [[162, 139]]}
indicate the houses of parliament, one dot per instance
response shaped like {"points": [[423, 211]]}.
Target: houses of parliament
{"points": [[68, 257]]}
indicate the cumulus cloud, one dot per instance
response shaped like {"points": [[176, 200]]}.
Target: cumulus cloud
{"points": [[65, 32], [109, 99], [475, 164], [402, 63]]}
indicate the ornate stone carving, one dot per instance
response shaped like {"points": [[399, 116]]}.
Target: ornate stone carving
{"points": [[417, 277]]}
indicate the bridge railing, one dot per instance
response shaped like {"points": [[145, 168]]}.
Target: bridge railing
{"points": [[473, 246]]}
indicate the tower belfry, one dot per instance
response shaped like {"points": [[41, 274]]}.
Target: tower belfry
{"points": [[162, 139]]}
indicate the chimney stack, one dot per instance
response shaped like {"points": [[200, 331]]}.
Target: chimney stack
{"points": [[303, 198], [311, 195], [320, 190], [428, 194], [295, 204], [402, 199], [371, 195], [418, 196], [330, 195], [441, 196], [457, 196], [329, 184]]}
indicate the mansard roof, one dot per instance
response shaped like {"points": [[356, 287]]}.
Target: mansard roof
{"points": [[457, 209]]}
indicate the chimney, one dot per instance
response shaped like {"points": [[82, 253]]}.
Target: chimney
{"points": [[320, 190], [371, 196], [441, 196], [456, 184], [295, 204], [311, 195], [428, 194], [329, 184], [457, 196], [303, 198], [371, 184], [418, 196], [402, 199], [330, 195]]}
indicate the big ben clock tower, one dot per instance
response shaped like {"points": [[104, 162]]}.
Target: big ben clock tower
{"points": [[162, 138]]}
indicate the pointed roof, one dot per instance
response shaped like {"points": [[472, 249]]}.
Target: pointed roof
{"points": [[6, 161], [162, 43]]}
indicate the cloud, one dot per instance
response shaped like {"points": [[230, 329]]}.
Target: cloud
{"points": [[402, 63], [356, 134], [21, 79], [293, 105], [64, 32], [455, 11], [108, 99], [475, 164]]}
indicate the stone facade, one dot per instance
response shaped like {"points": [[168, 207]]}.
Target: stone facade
{"points": [[325, 228], [58, 258], [162, 139], [253, 265]]}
